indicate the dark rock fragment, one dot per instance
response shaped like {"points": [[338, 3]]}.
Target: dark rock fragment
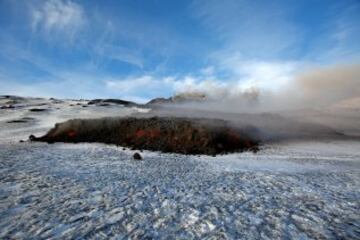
{"points": [[37, 110], [32, 138], [22, 120], [104, 104], [17, 121], [113, 101], [137, 156]]}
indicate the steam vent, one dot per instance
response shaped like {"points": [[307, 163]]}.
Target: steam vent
{"points": [[165, 134]]}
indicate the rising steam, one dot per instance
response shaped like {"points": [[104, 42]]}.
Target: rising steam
{"points": [[304, 105], [325, 87], [322, 87]]}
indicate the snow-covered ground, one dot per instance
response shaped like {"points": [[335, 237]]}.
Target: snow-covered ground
{"points": [[297, 190]]}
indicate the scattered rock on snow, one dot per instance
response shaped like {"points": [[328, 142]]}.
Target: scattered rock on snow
{"points": [[37, 110], [32, 138], [137, 156]]}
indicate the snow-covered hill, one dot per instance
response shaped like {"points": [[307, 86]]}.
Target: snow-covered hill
{"points": [[294, 190]]}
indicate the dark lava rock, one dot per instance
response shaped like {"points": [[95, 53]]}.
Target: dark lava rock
{"points": [[37, 110], [114, 101], [17, 121], [137, 156], [32, 138], [11, 97], [179, 98], [165, 134], [22, 120], [104, 104], [159, 101]]}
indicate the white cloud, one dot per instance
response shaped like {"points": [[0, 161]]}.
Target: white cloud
{"points": [[212, 88], [58, 17], [146, 86], [265, 75], [208, 71], [118, 53], [248, 77]]}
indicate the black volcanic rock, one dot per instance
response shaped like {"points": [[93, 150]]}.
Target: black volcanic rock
{"points": [[32, 138], [158, 101], [137, 156], [179, 98], [38, 110], [11, 97], [17, 121], [22, 120], [102, 102]]}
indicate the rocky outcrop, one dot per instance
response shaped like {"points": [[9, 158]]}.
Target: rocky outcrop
{"points": [[178, 135], [178, 98], [106, 102]]}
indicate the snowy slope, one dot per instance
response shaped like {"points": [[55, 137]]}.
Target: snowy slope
{"points": [[295, 190]]}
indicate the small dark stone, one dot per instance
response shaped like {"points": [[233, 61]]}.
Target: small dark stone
{"points": [[37, 110], [137, 156], [32, 138], [21, 141], [17, 121]]}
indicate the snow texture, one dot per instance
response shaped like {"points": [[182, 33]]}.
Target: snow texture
{"points": [[298, 190]]}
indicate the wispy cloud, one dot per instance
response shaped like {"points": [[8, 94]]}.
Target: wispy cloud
{"points": [[270, 75], [252, 29], [58, 18], [112, 52], [345, 29]]}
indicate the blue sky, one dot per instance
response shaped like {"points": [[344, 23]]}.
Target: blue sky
{"points": [[138, 50]]}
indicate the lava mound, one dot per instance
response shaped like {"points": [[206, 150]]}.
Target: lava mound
{"points": [[165, 134]]}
